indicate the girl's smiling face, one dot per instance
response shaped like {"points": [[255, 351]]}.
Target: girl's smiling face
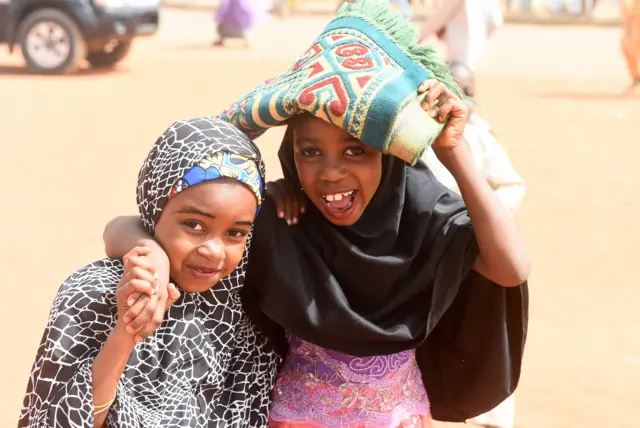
{"points": [[204, 230], [338, 173]]}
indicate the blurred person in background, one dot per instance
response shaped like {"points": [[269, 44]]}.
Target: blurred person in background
{"points": [[235, 18], [464, 26], [525, 5], [573, 7], [630, 14], [404, 6], [284, 7], [493, 162]]}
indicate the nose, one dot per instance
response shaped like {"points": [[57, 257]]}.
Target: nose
{"points": [[212, 249], [332, 169]]}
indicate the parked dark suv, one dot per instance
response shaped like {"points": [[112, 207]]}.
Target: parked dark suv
{"points": [[55, 36]]}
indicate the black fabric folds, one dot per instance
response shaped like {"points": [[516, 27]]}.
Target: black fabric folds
{"points": [[399, 279]]}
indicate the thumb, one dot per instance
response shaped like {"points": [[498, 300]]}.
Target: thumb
{"points": [[174, 295]]}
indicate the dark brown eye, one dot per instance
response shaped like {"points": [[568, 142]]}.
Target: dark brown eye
{"points": [[236, 233], [354, 151], [194, 225], [310, 152]]}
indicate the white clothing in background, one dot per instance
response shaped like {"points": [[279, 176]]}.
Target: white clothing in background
{"points": [[491, 160], [468, 24]]}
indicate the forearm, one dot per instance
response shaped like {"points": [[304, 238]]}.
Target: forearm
{"points": [[123, 234], [503, 258], [107, 369]]}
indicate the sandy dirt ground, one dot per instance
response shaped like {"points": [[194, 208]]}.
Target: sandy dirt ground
{"points": [[72, 146]]}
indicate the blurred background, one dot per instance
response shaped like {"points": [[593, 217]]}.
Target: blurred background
{"points": [[78, 116]]}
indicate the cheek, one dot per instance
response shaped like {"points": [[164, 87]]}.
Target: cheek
{"points": [[234, 255], [370, 177], [178, 249], [176, 244], [306, 174]]}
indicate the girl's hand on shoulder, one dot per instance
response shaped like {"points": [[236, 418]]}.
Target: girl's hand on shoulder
{"points": [[442, 104], [290, 202], [147, 294]]}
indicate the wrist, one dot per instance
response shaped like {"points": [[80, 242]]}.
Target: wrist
{"points": [[456, 159], [451, 153], [121, 341]]}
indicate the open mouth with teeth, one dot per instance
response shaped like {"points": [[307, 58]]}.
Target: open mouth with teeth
{"points": [[340, 204]]}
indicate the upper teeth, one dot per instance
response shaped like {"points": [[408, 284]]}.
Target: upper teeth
{"points": [[337, 196]]}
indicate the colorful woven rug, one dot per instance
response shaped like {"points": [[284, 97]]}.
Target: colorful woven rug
{"points": [[361, 74]]}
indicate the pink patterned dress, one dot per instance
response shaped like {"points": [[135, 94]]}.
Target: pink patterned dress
{"points": [[321, 388]]}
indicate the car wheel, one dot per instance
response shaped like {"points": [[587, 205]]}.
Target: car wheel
{"points": [[109, 59], [51, 42]]}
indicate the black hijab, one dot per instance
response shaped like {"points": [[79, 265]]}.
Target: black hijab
{"points": [[399, 279]]}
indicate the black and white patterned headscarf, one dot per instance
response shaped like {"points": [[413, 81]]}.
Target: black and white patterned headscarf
{"points": [[204, 145], [205, 366]]}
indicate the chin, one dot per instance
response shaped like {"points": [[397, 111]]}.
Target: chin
{"points": [[345, 221], [191, 286], [196, 288]]}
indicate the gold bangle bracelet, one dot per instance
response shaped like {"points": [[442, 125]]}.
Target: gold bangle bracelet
{"points": [[102, 407], [97, 412]]}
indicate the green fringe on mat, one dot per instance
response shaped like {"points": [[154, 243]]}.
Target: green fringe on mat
{"points": [[395, 26]]}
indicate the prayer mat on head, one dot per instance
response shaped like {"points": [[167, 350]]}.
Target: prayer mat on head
{"points": [[361, 74]]}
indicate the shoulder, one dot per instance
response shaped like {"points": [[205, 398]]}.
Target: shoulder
{"points": [[93, 286], [102, 275]]}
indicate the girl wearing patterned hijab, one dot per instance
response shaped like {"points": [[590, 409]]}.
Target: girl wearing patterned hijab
{"points": [[204, 365]]}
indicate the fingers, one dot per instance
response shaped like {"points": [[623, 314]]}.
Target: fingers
{"points": [[426, 85], [156, 318], [146, 298], [289, 201], [431, 101], [298, 204], [439, 102], [136, 253], [174, 294], [151, 315], [139, 285], [133, 297], [145, 315], [141, 274], [137, 265], [445, 110], [292, 209], [127, 288], [274, 192], [134, 310], [143, 262]]}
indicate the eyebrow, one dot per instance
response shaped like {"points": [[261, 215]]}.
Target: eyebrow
{"points": [[306, 140], [193, 210], [349, 140]]}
